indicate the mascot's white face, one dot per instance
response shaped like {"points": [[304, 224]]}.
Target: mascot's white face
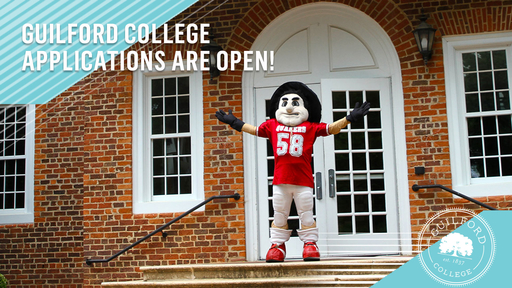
{"points": [[291, 111]]}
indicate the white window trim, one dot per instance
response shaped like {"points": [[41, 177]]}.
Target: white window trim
{"points": [[26, 215], [453, 47], [142, 184]]}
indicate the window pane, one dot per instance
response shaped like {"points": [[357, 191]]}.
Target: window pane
{"points": [[158, 186], [158, 147], [362, 224], [183, 104], [183, 85], [379, 224], [377, 182], [375, 140], [503, 100], [172, 185], [492, 166], [170, 124], [487, 101], [373, 119], [475, 147], [9, 201], [185, 163], [485, 81], [157, 87], [345, 225], [373, 98], [20, 166], [489, 125], [491, 146], [506, 166], [183, 124], [358, 140], [499, 59], [342, 162], [339, 100], [157, 106], [472, 103], [354, 97], [484, 60], [469, 62], [20, 183], [170, 86], [157, 125], [158, 166], [376, 161], [505, 124], [378, 202], [470, 82], [185, 185], [170, 105], [477, 168], [341, 141], [506, 145], [171, 147], [172, 166], [185, 148], [360, 182], [361, 203], [359, 161], [474, 127], [344, 203], [20, 200], [501, 79], [343, 183]]}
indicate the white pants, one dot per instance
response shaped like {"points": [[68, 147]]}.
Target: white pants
{"points": [[282, 198]]}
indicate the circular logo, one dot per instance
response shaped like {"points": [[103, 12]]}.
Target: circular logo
{"points": [[456, 258]]}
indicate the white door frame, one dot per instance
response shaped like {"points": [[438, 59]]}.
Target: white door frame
{"points": [[388, 65]]}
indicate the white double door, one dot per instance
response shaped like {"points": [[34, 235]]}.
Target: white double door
{"points": [[354, 171]]}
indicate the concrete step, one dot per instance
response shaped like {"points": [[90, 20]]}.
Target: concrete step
{"points": [[351, 272]]}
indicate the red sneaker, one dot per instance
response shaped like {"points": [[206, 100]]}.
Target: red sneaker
{"points": [[310, 252], [276, 253]]}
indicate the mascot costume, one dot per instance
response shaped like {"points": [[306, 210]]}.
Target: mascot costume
{"points": [[292, 130]]}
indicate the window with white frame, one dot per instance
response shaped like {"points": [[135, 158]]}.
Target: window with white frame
{"points": [[478, 79], [168, 141], [16, 164]]}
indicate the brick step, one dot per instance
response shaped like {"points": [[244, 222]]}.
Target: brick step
{"points": [[360, 272]]}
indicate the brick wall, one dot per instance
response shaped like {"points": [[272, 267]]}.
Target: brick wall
{"points": [[49, 252], [83, 192]]}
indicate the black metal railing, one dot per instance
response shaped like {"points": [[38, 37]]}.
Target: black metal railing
{"points": [[235, 196], [416, 187]]}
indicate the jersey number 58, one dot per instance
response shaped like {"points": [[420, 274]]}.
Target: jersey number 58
{"points": [[295, 146]]}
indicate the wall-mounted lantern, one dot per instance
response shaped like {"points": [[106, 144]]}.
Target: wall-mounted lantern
{"points": [[424, 36]]}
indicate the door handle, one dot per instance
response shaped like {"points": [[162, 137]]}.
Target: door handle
{"points": [[332, 190], [318, 186]]}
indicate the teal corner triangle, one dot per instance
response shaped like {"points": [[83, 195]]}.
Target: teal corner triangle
{"points": [[38, 87], [416, 272]]}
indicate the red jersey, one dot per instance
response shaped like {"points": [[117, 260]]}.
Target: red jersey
{"points": [[293, 149]]}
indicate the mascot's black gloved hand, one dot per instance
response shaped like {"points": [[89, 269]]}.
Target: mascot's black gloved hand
{"points": [[359, 112], [230, 119]]}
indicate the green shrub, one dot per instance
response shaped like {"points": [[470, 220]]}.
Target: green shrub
{"points": [[3, 281]]}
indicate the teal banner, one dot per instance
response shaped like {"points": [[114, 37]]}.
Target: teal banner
{"points": [[48, 46], [476, 254]]}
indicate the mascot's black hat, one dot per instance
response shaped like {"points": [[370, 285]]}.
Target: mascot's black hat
{"points": [[311, 101]]}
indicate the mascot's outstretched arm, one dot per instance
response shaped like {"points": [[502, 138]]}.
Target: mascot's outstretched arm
{"points": [[235, 123], [358, 113]]}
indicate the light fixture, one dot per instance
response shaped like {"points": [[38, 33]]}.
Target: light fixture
{"points": [[424, 36], [214, 48]]}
